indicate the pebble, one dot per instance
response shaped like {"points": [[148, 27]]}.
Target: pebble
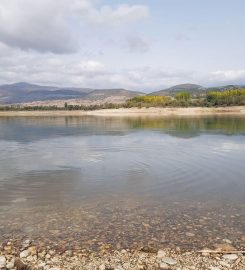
{"points": [[10, 265], [230, 257], [119, 267], [225, 264], [164, 266], [190, 234], [2, 262], [161, 254], [102, 267], [227, 241], [214, 268], [24, 254], [169, 261]]}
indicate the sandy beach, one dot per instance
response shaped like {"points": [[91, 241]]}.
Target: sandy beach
{"points": [[135, 112]]}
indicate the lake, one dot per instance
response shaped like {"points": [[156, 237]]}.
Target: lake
{"points": [[107, 182]]}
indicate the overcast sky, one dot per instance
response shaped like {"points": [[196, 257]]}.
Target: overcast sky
{"points": [[139, 45]]}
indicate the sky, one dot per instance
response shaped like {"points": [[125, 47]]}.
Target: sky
{"points": [[139, 45]]}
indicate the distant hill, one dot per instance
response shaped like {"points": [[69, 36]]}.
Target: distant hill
{"points": [[188, 87], [225, 87], [105, 93], [27, 93], [32, 94], [194, 89]]}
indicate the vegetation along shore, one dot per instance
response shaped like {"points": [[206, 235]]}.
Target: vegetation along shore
{"points": [[183, 103]]}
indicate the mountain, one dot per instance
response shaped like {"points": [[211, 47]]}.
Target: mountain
{"points": [[225, 87], [188, 87], [28, 93], [106, 93]]}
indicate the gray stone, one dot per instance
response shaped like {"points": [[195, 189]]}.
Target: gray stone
{"points": [[102, 267], [2, 262], [225, 264], [164, 266], [214, 268], [24, 254], [10, 265], [190, 234], [230, 257], [161, 254], [169, 261]]}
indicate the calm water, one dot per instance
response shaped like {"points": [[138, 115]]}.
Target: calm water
{"points": [[91, 182]]}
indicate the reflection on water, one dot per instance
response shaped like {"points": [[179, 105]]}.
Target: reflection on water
{"points": [[122, 181]]}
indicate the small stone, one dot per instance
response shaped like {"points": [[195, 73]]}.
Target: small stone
{"points": [[54, 268], [24, 254], [41, 265], [19, 265], [230, 257], [225, 264], [169, 261], [224, 247], [32, 250], [214, 268], [48, 256], [227, 241], [10, 265], [27, 243], [164, 266], [161, 254], [2, 261], [102, 267], [118, 267], [69, 253], [190, 234], [126, 265]]}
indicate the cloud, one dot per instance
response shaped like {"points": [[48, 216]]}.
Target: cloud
{"points": [[108, 15], [136, 44], [57, 26], [228, 75]]}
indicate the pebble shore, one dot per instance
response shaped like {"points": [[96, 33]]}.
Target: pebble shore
{"points": [[28, 256]]}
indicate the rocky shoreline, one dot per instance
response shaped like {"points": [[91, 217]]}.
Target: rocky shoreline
{"points": [[29, 256]]}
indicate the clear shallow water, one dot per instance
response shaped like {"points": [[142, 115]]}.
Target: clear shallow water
{"points": [[91, 181]]}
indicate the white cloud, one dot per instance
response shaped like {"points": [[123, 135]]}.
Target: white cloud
{"points": [[137, 44], [228, 75], [121, 14], [57, 26]]}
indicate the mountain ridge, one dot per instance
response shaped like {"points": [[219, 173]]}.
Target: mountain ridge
{"points": [[23, 92]]}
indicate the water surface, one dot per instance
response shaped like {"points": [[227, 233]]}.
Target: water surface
{"points": [[98, 182]]}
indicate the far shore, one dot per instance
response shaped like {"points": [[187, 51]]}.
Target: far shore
{"points": [[136, 112]]}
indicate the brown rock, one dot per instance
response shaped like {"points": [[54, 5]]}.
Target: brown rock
{"points": [[19, 265], [32, 250], [224, 247]]}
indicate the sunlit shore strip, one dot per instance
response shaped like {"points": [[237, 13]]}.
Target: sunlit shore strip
{"points": [[135, 112]]}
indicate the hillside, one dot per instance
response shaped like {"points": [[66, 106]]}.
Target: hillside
{"points": [[192, 88], [106, 93], [29, 93]]}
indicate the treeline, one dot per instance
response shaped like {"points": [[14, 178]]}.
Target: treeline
{"points": [[181, 99], [230, 97], [185, 99], [58, 108]]}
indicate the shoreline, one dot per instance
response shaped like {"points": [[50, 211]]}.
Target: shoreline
{"points": [[28, 256], [136, 112]]}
